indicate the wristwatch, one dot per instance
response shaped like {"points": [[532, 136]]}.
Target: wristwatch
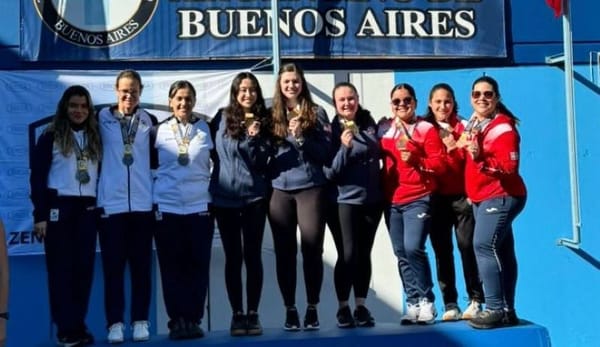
{"points": [[4, 315]]}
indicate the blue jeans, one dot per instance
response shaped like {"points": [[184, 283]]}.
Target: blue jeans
{"points": [[495, 249], [409, 225]]}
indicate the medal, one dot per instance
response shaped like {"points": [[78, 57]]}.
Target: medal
{"points": [[183, 159], [128, 155], [82, 176], [401, 142]]}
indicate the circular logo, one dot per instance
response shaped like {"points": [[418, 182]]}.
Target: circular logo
{"points": [[96, 23]]}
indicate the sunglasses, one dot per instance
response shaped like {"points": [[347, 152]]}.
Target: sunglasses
{"points": [[488, 94], [404, 101]]}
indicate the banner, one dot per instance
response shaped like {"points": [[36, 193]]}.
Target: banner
{"points": [[29, 99], [97, 30]]}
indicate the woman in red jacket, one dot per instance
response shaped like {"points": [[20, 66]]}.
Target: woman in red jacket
{"points": [[413, 153], [498, 194], [450, 209]]}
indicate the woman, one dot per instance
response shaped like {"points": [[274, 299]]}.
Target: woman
{"points": [[184, 229], [413, 155], [64, 174], [450, 208], [301, 133], [125, 197], [356, 174], [498, 194], [239, 187]]}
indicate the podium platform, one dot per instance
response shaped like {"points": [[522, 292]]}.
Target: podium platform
{"points": [[455, 334]]}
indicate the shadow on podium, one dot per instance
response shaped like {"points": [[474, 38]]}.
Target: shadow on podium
{"points": [[453, 334]]}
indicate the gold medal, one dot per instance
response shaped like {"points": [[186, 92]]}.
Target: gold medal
{"points": [[401, 142], [182, 149], [82, 174], [128, 148]]}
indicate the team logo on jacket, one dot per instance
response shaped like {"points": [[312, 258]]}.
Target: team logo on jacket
{"points": [[96, 23]]}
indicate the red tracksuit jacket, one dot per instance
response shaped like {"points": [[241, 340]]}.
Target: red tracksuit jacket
{"points": [[495, 172], [404, 182]]}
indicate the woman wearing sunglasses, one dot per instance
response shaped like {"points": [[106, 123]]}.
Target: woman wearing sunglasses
{"points": [[450, 209], [498, 194], [413, 154]]}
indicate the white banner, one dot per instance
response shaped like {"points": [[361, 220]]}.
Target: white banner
{"points": [[29, 98]]}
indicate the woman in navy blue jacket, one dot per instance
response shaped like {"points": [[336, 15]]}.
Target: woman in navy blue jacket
{"points": [[64, 174], [355, 172], [239, 187], [301, 133]]}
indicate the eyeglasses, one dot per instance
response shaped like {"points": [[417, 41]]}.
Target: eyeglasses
{"points": [[404, 101], [488, 94]]}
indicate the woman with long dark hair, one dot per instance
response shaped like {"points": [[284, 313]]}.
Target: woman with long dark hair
{"points": [[64, 174], [239, 187]]}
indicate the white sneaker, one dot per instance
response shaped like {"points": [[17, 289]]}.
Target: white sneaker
{"points": [[140, 330], [472, 310], [451, 314], [411, 314], [115, 333], [427, 312]]}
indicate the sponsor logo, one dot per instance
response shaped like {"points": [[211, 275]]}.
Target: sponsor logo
{"points": [[96, 23]]}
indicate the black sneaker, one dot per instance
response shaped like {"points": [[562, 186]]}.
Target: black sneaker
{"points": [[86, 337], [311, 319], [177, 329], [510, 318], [238, 324], [194, 330], [70, 341], [488, 319], [363, 317], [254, 327], [292, 320], [344, 318]]}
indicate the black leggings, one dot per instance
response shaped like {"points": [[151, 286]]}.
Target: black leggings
{"points": [[287, 210], [353, 228], [242, 231]]}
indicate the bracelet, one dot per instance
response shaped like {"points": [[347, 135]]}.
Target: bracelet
{"points": [[4, 315]]}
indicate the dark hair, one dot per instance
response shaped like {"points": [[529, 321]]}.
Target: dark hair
{"points": [[234, 112], [406, 86], [362, 115], [61, 125], [429, 116], [307, 106], [134, 75], [500, 107], [181, 84]]}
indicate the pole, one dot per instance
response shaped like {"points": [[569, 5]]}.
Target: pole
{"points": [[575, 241], [275, 37]]}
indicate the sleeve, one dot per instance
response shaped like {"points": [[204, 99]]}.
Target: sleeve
{"points": [[38, 179], [502, 159], [214, 128], [432, 158]]}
